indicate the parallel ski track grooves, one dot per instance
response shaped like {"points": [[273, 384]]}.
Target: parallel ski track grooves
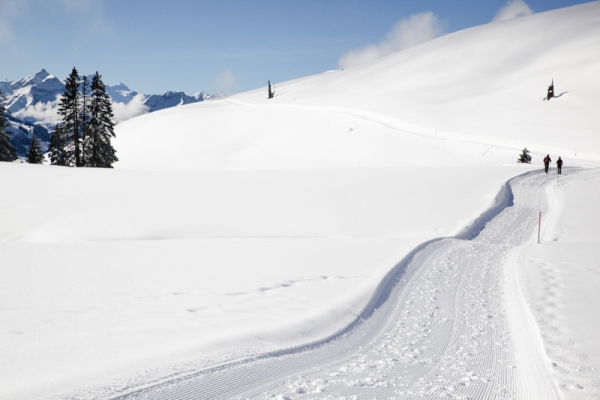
{"points": [[436, 327]]}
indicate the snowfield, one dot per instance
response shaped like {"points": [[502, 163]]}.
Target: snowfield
{"points": [[367, 233], [438, 325]]}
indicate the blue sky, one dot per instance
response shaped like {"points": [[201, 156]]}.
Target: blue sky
{"points": [[230, 45]]}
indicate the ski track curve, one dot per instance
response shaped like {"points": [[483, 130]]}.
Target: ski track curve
{"points": [[448, 321]]}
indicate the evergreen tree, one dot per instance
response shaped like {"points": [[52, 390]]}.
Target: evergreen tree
{"points": [[100, 153], [57, 148], [271, 93], [524, 157], [35, 155], [69, 110], [84, 117], [550, 91], [7, 150]]}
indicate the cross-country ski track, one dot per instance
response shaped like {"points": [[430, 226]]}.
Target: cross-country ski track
{"points": [[448, 321]]}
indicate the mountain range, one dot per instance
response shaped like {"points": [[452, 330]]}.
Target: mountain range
{"points": [[33, 103]]}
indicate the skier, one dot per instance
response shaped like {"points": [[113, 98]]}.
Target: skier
{"points": [[547, 162], [559, 164]]}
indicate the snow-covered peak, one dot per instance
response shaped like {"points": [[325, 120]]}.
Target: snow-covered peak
{"points": [[201, 96], [120, 93], [40, 87], [119, 86], [34, 79], [171, 99]]}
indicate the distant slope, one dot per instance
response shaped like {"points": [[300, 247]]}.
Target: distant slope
{"points": [[483, 86]]}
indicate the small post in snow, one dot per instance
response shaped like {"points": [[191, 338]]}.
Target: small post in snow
{"points": [[539, 226]]}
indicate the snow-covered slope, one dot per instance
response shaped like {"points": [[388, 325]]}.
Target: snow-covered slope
{"points": [[246, 225], [484, 86]]}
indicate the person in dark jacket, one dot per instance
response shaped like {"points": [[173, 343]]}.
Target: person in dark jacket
{"points": [[559, 164], [547, 162]]}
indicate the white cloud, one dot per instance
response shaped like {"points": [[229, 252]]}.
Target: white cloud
{"points": [[513, 9], [406, 33], [136, 107], [44, 113], [47, 113], [224, 82]]}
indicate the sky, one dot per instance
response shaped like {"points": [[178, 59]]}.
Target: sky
{"points": [[226, 46]]}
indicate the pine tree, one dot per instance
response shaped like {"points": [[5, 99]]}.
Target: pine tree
{"points": [[84, 117], [56, 149], [35, 155], [100, 153], [7, 150], [71, 129], [524, 157]]}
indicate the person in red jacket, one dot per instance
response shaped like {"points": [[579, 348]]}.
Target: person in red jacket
{"points": [[547, 162], [559, 164]]}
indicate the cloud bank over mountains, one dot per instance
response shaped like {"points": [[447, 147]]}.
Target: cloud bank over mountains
{"points": [[136, 107], [44, 113]]}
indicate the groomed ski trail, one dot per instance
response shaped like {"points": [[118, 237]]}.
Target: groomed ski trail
{"points": [[395, 124], [448, 321]]}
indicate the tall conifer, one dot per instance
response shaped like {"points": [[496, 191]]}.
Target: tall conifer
{"points": [[69, 110], [85, 115], [100, 152], [7, 150]]}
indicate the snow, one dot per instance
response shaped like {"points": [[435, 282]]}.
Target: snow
{"points": [[178, 259], [562, 275], [240, 226]]}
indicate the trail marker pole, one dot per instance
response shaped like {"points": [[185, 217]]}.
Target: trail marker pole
{"points": [[539, 226]]}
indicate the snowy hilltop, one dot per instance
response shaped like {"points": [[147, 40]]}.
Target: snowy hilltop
{"points": [[33, 104], [365, 233], [485, 86]]}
